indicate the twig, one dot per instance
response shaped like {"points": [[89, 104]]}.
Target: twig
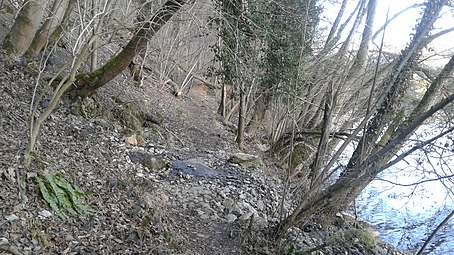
{"points": [[435, 232]]}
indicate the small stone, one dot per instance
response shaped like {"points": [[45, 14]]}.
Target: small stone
{"points": [[31, 175], [201, 236], [260, 221], [3, 241], [260, 205], [228, 203], [45, 214], [154, 163], [164, 198], [230, 218], [12, 217], [246, 216], [69, 238], [248, 207], [214, 217], [205, 205]]}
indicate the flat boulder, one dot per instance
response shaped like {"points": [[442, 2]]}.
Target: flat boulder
{"points": [[246, 160], [193, 167]]}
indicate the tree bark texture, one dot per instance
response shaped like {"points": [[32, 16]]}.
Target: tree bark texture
{"points": [[363, 51], [259, 114], [22, 32], [86, 84], [48, 28], [241, 119]]}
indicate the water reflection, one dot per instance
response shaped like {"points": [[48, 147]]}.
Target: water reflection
{"points": [[405, 214]]}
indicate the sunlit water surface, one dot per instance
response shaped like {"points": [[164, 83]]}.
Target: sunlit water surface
{"points": [[406, 215]]}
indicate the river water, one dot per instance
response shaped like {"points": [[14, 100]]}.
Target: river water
{"points": [[406, 215]]}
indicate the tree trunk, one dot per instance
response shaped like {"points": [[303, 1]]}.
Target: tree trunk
{"points": [[48, 28], [223, 104], [363, 51], [259, 114], [55, 36], [320, 156], [369, 159], [340, 14], [94, 46], [241, 119], [396, 85], [20, 37], [86, 84]]}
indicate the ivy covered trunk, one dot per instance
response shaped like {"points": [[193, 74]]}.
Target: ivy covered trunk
{"points": [[88, 83]]}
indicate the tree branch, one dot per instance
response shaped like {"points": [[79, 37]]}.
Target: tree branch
{"points": [[394, 17], [435, 232]]}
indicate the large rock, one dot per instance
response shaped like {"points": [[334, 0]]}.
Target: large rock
{"points": [[246, 160], [148, 160], [193, 168]]}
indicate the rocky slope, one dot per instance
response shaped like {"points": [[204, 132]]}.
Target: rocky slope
{"points": [[157, 189]]}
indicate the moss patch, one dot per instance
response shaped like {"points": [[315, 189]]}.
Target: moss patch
{"points": [[364, 237]]}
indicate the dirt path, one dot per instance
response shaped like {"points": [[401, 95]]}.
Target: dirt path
{"points": [[139, 210]]}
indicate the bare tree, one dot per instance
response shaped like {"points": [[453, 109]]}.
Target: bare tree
{"points": [[25, 25], [370, 158]]}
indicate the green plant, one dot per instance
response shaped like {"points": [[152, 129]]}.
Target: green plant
{"points": [[62, 196]]}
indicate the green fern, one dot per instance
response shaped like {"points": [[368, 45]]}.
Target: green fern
{"points": [[62, 196]]}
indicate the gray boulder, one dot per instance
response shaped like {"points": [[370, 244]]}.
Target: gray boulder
{"points": [[246, 160]]}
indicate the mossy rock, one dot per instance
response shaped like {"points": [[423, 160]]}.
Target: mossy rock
{"points": [[87, 108], [129, 116], [133, 116], [148, 160], [246, 160], [361, 236], [299, 154]]}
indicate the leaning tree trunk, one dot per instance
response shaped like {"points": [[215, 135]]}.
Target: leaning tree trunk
{"points": [[396, 85], [259, 114], [361, 56], [55, 36], [20, 37], [369, 159], [340, 14], [86, 84], [241, 118], [48, 28]]}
